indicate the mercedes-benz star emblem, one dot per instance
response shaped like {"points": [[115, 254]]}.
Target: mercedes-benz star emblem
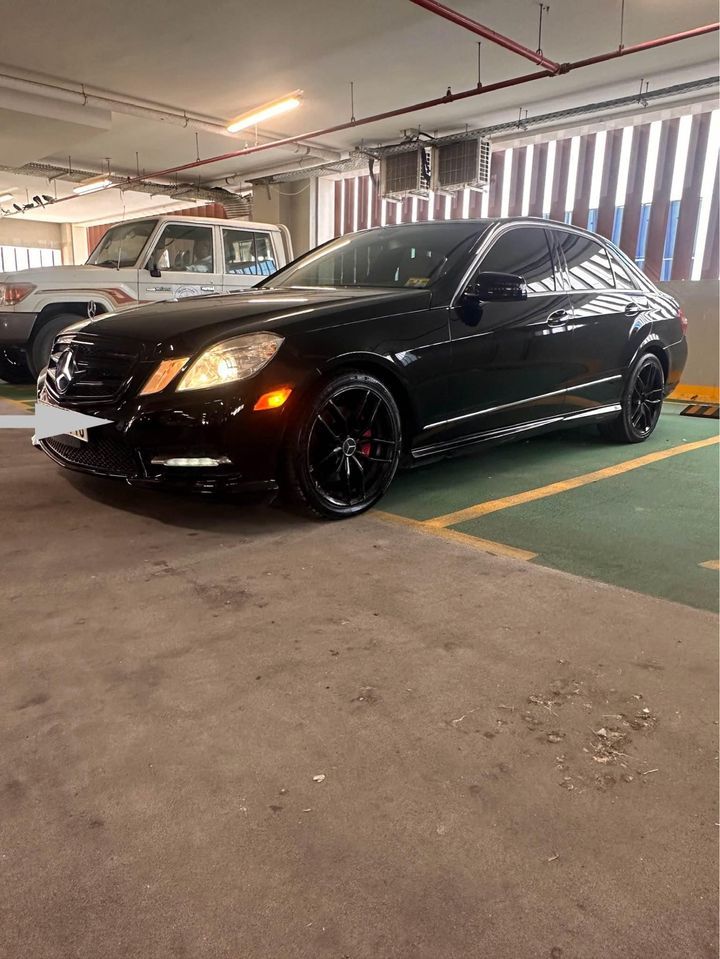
{"points": [[64, 371]]}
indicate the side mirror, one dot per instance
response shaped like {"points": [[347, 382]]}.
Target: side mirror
{"points": [[497, 287], [153, 270]]}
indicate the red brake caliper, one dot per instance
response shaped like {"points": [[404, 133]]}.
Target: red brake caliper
{"points": [[365, 447]]}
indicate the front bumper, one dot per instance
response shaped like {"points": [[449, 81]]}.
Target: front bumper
{"points": [[218, 424], [15, 328]]}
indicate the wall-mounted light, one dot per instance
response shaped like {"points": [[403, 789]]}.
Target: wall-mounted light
{"points": [[93, 184], [272, 109]]}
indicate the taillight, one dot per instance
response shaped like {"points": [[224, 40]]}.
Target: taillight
{"points": [[13, 293], [683, 322]]}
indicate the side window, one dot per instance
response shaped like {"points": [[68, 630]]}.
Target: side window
{"points": [[623, 277], [247, 253], [587, 263], [525, 252], [184, 249]]}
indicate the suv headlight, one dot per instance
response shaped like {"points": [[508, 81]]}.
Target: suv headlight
{"points": [[231, 360], [13, 293]]}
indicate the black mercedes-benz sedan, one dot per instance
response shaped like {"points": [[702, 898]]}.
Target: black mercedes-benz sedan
{"points": [[394, 345]]}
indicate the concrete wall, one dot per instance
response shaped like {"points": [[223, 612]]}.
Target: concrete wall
{"points": [[699, 300], [16, 231], [292, 204]]}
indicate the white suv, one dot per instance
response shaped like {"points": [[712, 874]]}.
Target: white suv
{"points": [[138, 261]]}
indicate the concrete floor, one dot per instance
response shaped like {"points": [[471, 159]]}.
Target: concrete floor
{"points": [[518, 762]]}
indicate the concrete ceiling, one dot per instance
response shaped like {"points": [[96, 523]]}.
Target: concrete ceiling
{"points": [[223, 58]]}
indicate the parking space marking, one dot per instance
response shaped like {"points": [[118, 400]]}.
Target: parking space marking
{"points": [[711, 564], [505, 502], [455, 536]]}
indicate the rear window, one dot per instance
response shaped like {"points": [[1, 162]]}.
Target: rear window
{"points": [[623, 277], [587, 263]]}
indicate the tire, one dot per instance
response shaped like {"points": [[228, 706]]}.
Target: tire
{"points": [[342, 451], [39, 352], [641, 403], [13, 369]]}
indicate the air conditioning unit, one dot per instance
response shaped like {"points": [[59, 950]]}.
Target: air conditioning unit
{"points": [[406, 174], [463, 163]]}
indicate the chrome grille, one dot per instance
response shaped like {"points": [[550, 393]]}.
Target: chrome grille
{"points": [[84, 367]]}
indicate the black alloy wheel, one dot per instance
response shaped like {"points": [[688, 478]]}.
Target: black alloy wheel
{"points": [[642, 403], [344, 451]]}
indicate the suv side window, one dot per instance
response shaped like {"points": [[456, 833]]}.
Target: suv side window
{"points": [[184, 249], [623, 277], [248, 253], [525, 252], [588, 265]]}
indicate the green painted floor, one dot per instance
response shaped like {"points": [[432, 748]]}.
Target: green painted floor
{"points": [[647, 530]]}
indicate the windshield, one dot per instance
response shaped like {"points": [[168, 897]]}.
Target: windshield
{"points": [[387, 257], [122, 245]]}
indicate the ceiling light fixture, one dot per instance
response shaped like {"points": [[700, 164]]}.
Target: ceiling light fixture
{"points": [[6, 197], [265, 112], [93, 184]]}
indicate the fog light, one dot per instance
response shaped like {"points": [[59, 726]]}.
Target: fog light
{"points": [[191, 461]]}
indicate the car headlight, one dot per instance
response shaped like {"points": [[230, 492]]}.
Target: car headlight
{"points": [[13, 293], [231, 360]]}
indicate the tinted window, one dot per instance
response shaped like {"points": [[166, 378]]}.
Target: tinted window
{"points": [[526, 253], [184, 249], [408, 256], [247, 253], [623, 278], [587, 262]]}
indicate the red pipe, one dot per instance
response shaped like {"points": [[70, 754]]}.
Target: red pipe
{"points": [[412, 108], [492, 35], [639, 47]]}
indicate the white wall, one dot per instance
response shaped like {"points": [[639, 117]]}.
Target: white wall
{"points": [[16, 231]]}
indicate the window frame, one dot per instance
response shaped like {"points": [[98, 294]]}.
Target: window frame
{"points": [[268, 234], [153, 241]]}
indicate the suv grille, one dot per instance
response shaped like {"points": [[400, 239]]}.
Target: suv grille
{"points": [[86, 367], [106, 455]]}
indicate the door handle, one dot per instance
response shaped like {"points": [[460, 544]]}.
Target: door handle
{"points": [[207, 289], [558, 317], [635, 309]]}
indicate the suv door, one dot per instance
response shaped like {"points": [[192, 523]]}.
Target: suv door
{"points": [[184, 255], [248, 257], [609, 312], [512, 361]]}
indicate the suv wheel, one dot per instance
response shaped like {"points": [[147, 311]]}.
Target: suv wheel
{"points": [[343, 450], [39, 352]]}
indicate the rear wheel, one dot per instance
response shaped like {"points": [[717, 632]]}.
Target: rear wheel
{"points": [[641, 405], [344, 449], [42, 344]]}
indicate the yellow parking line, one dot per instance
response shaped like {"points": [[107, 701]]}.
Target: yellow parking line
{"points": [[454, 536], [711, 564], [493, 505]]}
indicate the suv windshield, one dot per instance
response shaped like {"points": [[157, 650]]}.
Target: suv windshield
{"points": [[122, 244], [387, 257]]}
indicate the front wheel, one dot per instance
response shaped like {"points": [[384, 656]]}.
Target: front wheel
{"points": [[343, 450], [641, 405]]}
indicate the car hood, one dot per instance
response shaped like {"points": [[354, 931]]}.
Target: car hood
{"points": [[87, 276], [194, 322]]}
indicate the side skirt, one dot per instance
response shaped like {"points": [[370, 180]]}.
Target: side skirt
{"points": [[511, 432]]}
